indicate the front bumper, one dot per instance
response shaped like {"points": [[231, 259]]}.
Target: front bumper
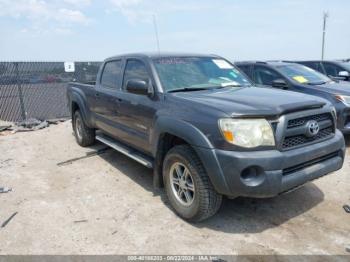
{"points": [[269, 173]]}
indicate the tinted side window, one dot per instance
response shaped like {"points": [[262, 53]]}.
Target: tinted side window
{"points": [[111, 74], [265, 76], [331, 70], [135, 69], [246, 70]]}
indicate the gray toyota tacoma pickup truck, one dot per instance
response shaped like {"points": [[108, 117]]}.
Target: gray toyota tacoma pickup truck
{"points": [[205, 130]]}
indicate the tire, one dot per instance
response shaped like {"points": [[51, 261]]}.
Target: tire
{"points": [[84, 135], [192, 205]]}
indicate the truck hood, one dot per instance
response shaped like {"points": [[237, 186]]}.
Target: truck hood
{"points": [[341, 88], [252, 101]]}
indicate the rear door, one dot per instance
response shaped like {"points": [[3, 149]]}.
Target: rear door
{"points": [[106, 107]]}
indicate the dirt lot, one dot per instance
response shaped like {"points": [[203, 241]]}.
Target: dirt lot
{"points": [[105, 204]]}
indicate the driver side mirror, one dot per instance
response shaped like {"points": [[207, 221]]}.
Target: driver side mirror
{"points": [[344, 74], [280, 83], [139, 87]]}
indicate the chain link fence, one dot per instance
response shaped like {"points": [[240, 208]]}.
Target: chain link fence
{"points": [[38, 89]]}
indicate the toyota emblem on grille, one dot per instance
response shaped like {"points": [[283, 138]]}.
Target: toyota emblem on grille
{"points": [[312, 128]]}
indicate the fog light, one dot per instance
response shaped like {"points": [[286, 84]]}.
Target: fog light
{"points": [[252, 176]]}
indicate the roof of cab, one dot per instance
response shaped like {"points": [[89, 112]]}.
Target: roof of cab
{"points": [[160, 54], [271, 62], [333, 60]]}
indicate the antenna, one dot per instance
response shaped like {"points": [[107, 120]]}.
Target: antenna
{"points": [[156, 32], [325, 16]]}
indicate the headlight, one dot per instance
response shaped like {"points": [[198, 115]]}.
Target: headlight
{"points": [[247, 132], [344, 99], [334, 112]]}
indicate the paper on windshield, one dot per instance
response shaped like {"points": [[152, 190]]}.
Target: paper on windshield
{"points": [[232, 83], [222, 64], [300, 79]]}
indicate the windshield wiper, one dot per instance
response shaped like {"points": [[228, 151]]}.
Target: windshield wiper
{"points": [[202, 88], [185, 89], [230, 85], [316, 83]]}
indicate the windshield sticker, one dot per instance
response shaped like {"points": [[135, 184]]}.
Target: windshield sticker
{"points": [[300, 79], [222, 64], [175, 60], [231, 83]]}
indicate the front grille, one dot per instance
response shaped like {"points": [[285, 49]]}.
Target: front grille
{"points": [[296, 130], [296, 168], [301, 121], [302, 139]]}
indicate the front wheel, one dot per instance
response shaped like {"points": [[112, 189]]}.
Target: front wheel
{"points": [[187, 185], [84, 135]]}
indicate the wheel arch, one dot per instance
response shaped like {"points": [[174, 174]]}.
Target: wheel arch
{"points": [[77, 103], [169, 133]]}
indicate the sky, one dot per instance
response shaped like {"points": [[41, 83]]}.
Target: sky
{"points": [[92, 30]]}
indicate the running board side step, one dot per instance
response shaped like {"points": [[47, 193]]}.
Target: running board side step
{"points": [[132, 153]]}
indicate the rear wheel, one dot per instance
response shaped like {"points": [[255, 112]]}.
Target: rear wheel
{"points": [[187, 185], [84, 135]]}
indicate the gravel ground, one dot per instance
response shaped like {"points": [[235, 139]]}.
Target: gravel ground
{"points": [[105, 204]]}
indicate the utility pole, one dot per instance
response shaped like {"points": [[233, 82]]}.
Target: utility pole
{"points": [[325, 16], [156, 32]]}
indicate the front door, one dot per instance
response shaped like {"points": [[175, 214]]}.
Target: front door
{"points": [[137, 111]]}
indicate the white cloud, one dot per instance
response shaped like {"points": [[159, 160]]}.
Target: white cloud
{"points": [[142, 10], [63, 31], [31, 8], [73, 16], [78, 3], [132, 10], [126, 3], [42, 16]]}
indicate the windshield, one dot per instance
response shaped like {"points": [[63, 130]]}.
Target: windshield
{"points": [[303, 74], [346, 65], [178, 73]]}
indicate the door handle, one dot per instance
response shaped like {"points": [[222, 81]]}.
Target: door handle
{"points": [[118, 100], [97, 95]]}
